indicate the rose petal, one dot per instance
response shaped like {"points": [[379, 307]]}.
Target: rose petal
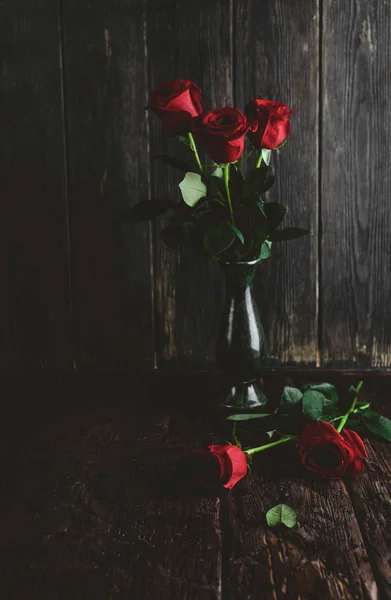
{"points": [[355, 442]]}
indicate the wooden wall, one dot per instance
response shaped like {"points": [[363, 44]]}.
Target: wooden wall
{"points": [[79, 288]]}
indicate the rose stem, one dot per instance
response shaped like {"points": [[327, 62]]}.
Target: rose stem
{"points": [[194, 149], [259, 160], [226, 181], [351, 409], [271, 445]]}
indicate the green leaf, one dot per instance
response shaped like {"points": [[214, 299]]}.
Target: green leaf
{"points": [[313, 404], [275, 213], [290, 396], [184, 139], [328, 390], [377, 424], [173, 162], [255, 180], [219, 238], [246, 417], [148, 209], [268, 183], [218, 172], [266, 155], [238, 233], [290, 233], [192, 188], [216, 187], [282, 513], [266, 249]]}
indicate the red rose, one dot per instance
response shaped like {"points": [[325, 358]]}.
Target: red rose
{"points": [[221, 133], [270, 124], [324, 450], [222, 464], [176, 103]]}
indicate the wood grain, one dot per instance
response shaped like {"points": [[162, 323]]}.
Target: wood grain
{"points": [[356, 253], [105, 85], [35, 321], [276, 56], [370, 495], [188, 288], [323, 557]]}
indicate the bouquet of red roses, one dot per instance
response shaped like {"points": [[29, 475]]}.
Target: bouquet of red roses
{"points": [[224, 212]]}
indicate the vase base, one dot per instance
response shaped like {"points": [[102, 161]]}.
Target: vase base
{"points": [[245, 395]]}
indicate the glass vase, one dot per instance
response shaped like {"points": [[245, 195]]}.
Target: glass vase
{"points": [[240, 345]]}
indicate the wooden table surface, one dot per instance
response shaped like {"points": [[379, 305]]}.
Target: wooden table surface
{"points": [[88, 510]]}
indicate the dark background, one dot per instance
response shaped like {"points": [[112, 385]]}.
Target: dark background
{"points": [[81, 288]]}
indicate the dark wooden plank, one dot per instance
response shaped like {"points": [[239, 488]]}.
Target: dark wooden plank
{"points": [[356, 254], [34, 270], [276, 56], [370, 495], [322, 557], [194, 44], [166, 544], [105, 67], [87, 511]]}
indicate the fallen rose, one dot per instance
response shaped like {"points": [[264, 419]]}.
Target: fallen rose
{"points": [[176, 103], [221, 133], [270, 124], [223, 464], [323, 450]]}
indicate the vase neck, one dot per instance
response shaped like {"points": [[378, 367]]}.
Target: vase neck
{"points": [[240, 274]]}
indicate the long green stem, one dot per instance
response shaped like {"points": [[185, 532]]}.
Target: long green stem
{"points": [[351, 409], [226, 182], [194, 149], [271, 445], [259, 160]]}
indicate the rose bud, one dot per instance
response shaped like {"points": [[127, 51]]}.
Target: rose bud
{"points": [[323, 450], [270, 124], [221, 133], [176, 103], [221, 464]]}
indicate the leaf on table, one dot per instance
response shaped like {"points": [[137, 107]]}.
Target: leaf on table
{"points": [[290, 396], [313, 404], [281, 514]]}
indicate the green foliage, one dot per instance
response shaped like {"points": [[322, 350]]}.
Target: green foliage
{"points": [[255, 181], [377, 424], [328, 390], [247, 417], [148, 210], [236, 231], [290, 396], [266, 155], [313, 404], [218, 238], [266, 249], [290, 233], [281, 514], [192, 188], [275, 213]]}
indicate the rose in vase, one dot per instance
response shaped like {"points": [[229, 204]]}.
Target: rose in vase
{"points": [[225, 213]]}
